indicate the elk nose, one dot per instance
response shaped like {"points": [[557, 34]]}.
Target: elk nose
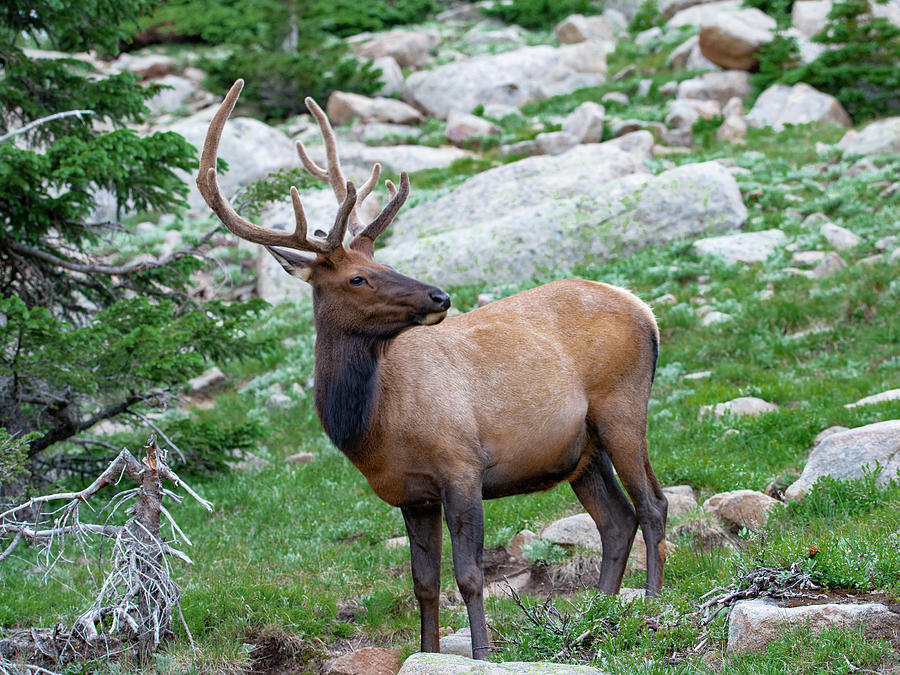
{"points": [[439, 298]]}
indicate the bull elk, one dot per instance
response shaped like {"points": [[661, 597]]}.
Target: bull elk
{"points": [[548, 385]]}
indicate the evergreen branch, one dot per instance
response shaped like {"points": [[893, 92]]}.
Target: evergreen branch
{"points": [[24, 249]]}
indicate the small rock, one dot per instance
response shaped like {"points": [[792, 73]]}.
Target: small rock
{"points": [[891, 395], [666, 299], [824, 262], [810, 16], [451, 664], [816, 219], [278, 401], [715, 317], [396, 542], [555, 142], [458, 643], [886, 243], [579, 28], [741, 508], [719, 87], [698, 375], [250, 462], [681, 500], [579, 530], [731, 39], [343, 107], [586, 122], [746, 247], [206, 383], [629, 595], [752, 624], [839, 237], [801, 104], [301, 458], [500, 589], [645, 37], [734, 127], [461, 126], [880, 137], [515, 546], [703, 535], [744, 405], [366, 661], [391, 75], [637, 560], [615, 97], [409, 48]]}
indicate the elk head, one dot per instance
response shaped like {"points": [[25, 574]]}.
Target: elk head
{"points": [[352, 292]]}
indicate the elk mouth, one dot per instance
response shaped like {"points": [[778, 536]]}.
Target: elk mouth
{"points": [[429, 319]]}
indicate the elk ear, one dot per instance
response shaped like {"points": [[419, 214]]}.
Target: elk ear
{"points": [[293, 263]]}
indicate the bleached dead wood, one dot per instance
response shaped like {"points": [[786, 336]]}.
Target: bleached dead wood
{"points": [[137, 596]]}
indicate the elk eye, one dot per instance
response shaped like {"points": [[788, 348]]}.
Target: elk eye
{"points": [[357, 281]]}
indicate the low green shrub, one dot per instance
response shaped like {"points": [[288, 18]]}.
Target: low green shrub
{"points": [[538, 14]]}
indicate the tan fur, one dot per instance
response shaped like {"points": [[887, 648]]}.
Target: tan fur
{"points": [[505, 389]]}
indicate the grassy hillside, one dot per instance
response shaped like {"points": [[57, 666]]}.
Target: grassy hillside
{"points": [[292, 565]]}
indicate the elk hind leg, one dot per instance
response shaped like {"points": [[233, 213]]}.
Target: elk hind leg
{"points": [[626, 445], [423, 524], [602, 497]]}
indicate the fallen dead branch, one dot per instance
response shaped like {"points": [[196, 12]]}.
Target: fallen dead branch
{"points": [[760, 582], [136, 596]]}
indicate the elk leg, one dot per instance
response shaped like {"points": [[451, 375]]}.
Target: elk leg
{"points": [[627, 448], [601, 495], [423, 524], [465, 520]]}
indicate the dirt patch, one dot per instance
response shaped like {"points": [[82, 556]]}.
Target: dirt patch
{"points": [[275, 651], [563, 579]]}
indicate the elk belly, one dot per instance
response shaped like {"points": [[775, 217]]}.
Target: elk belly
{"points": [[535, 461]]}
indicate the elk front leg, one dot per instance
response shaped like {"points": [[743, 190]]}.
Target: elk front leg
{"points": [[423, 524], [465, 520]]}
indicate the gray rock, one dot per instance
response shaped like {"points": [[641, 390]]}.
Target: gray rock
{"points": [[391, 75], [590, 203], [681, 498], [810, 16], [684, 112], [840, 237], [890, 395], [714, 317], [741, 508], [344, 106], [480, 39], [578, 530], [516, 545], [720, 87], [423, 663], [822, 262], [614, 97], [408, 48], [178, 93], [301, 458], [669, 8], [689, 55], [731, 39], [144, 64], [278, 401], [461, 125], [555, 142], [830, 431], [515, 77], [879, 137], [458, 643], [752, 624], [844, 454], [743, 405], [699, 13], [640, 143], [579, 28], [801, 104], [585, 123], [207, 382], [645, 37], [396, 543], [746, 247]]}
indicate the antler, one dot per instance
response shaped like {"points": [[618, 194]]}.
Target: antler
{"points": [[209, 188], [335, 177]]}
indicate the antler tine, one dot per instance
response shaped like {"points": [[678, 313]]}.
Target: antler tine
{"points": [[336, 236], [208, 185], [380, 224], [333, 173], [355, 224]]}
